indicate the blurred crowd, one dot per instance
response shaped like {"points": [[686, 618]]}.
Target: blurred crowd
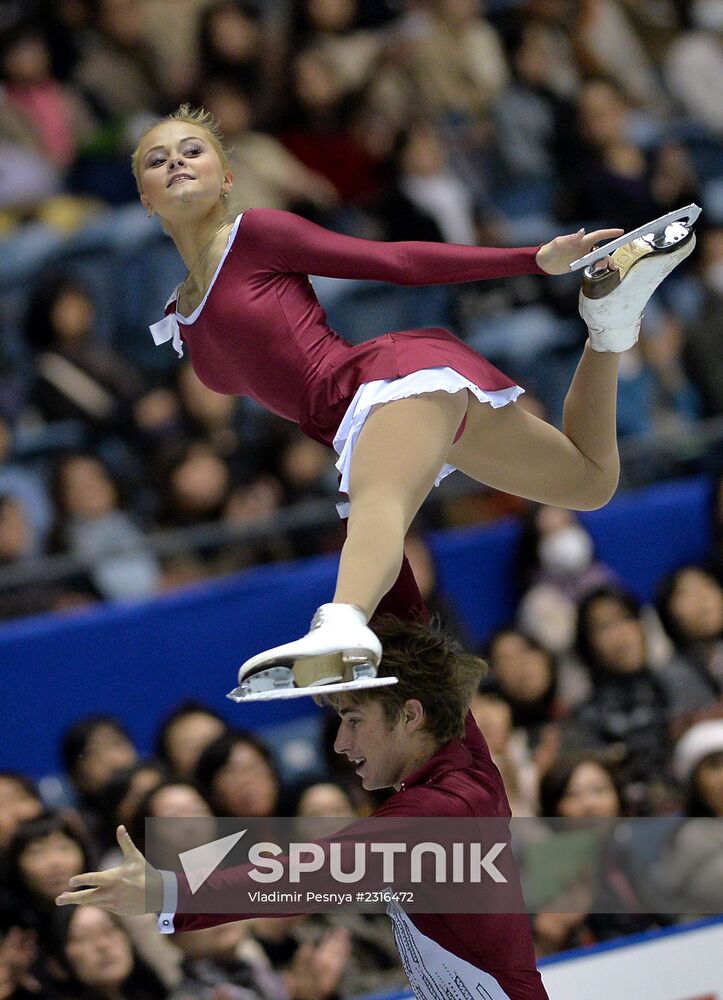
{"points": [[594, 708], [504, 122]]}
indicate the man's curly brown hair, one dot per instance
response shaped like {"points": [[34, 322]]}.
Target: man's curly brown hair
{"points": [[432, 668]]}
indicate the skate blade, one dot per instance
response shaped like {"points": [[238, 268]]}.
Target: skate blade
{"points": [[312, 691], [596, 284], [652, 230]]}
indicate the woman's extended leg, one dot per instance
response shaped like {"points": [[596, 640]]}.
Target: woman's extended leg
{"points": [[514, 451], [400, 451]]}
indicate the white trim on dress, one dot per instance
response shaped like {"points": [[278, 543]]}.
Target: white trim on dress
{"points": [[373, 394], [168, 328]]}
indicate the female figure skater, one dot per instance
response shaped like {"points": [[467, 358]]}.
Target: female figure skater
{"points": [[402, 410]]}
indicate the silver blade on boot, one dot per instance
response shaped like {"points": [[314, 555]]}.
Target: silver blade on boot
{"points": [[657, 227]]}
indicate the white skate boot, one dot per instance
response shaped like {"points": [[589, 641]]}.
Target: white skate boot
{"points": [[339, 653], [612, 299]]}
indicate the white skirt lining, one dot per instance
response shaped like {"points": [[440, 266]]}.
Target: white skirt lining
{"points": [[372, 394]]}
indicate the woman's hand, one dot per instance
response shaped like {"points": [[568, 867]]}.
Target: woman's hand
{"points": [[556, 256], [130, 889]]}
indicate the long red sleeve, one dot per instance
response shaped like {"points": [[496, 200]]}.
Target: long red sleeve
{"points": [[295, 245]]}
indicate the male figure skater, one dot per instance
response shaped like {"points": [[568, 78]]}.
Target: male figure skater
{"points": [[416, 737]]}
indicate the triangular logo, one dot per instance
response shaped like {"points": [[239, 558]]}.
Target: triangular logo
{"points": [[200, 862]]}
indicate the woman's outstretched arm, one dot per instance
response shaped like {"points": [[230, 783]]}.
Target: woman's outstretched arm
{"points": [[286, 242]]}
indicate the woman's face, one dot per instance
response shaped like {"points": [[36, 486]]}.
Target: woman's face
{"points": [[86, 488], [494, 718], [192, 823], [17, 805], [616, 636], [522, 671], [325, 800], [98, 949], [200, 483], [602, 114], [590, 793], [188, 737], [709, 782], [72, 316], [180, 172], [246, 784], [106, 751], [140, 784], [46, 864], [234, 37], [697, 605], [179, 801]]}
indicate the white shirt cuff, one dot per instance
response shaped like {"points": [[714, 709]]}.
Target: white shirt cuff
{"points": [[170, 902]]}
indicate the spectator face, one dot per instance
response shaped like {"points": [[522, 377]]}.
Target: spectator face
{"points": [[140, 784], [17, 804], [523, 672], [318, 88], [534, 58], [98, 950], [192, 822], [46, 864], [255, 501], [199, 484], [709, 782], [27, 60], [494, 717], [121, 22], [234, 37], [602, 114], [458, 12], [325, 799], [16, 533], [188, 737], [696, 604], [106, 751], [71, 316], [179, 800], [246, 785], [331, 15], [589, 794], [616, 636], [304, 463], [232, 110], [86, 489], [423, 154]]}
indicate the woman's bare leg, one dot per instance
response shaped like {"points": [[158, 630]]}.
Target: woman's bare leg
{"points": [[400, 451], [514, 451]]}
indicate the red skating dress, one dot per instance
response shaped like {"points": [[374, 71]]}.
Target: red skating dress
{"points": [[261, 332]]}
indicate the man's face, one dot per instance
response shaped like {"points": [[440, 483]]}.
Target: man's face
{"points": [[382, 753]]}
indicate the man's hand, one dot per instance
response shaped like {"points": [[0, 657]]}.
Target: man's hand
{"points": [[130, 889], [556, 256]]}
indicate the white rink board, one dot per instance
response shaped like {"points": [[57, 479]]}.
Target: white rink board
{"points": [[684, 965]]}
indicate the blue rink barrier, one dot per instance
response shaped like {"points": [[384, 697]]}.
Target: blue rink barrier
{"points": [[138, 660]]}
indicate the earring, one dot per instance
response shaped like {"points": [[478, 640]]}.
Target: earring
{"points": [[224, 194]]}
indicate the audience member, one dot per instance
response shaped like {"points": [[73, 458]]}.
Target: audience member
{"points": [[690, 605], [622, 717]]}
